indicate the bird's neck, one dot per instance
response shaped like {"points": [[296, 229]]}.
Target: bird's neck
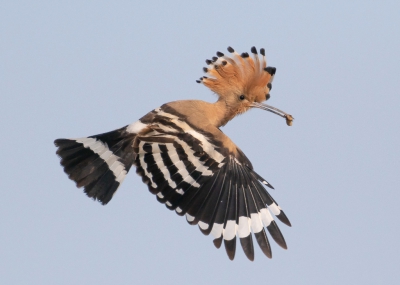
{"points": [[223, 113]]}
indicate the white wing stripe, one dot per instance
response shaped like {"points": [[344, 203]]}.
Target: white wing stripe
{"points": [[207, 146], [217, 230], [256, 224], [230, 230], [194, 160], [160, 163], [144, 167], [244, 227], [105, 154], [182, 168], [266, 217], [121, 177], [274, 209], [203, 225], [189, 217]]}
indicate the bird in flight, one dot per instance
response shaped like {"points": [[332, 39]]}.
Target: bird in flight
{"points": [[187, 162]]}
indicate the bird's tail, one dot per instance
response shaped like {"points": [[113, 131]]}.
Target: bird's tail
{"points": [[98, 163]]}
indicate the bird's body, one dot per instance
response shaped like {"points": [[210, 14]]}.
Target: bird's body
{"points": [[188, 162]]}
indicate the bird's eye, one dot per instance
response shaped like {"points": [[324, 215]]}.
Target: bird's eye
{"points": [[241, 97], [267, 96]]}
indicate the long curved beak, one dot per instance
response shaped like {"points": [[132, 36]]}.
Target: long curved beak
{"points": [[289, 118]]}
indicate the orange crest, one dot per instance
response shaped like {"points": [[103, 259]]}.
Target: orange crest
{"points": [[239, 74]]}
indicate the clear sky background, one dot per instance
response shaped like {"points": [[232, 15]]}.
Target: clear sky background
{"points": [[79, 68]]}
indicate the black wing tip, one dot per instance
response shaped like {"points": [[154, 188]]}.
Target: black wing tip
{"points": [[247, 245], [262, 240], [205, 232], [277, 235], [192, 222], [259, 178], [218, 242], [269, 185], [284, 219], [230, 247]]}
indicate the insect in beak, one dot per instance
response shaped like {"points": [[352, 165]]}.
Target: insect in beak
{"points": [[289, 118]]}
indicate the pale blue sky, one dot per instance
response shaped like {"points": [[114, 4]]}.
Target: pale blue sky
{"points": [[78, 68]]}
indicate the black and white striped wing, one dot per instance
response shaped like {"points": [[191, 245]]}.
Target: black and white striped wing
{"points": [[197, 178]]}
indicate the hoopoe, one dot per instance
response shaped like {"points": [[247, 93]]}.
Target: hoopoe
{"points": [[187, 161]]}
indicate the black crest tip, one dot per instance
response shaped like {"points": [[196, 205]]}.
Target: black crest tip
{"points": [[271, 70], [254, 50], [214, 58], [262, 51], [208, 61], [224, 62], [220, 54], [231, 50], [205, 69], [244, 55], [198, 81], [269, 85]]}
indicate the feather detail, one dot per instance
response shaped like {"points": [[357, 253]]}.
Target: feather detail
{"points": [[239, 74]]}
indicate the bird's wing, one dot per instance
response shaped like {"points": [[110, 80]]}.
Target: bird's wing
{"points": [[214, 189]]}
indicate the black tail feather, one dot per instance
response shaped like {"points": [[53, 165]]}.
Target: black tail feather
{"points": [[98, 163]]}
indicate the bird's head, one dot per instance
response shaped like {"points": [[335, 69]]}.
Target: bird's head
{"points": [[241, 81]]}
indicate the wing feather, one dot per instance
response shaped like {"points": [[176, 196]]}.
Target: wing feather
{"points": [[214, 188]]}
